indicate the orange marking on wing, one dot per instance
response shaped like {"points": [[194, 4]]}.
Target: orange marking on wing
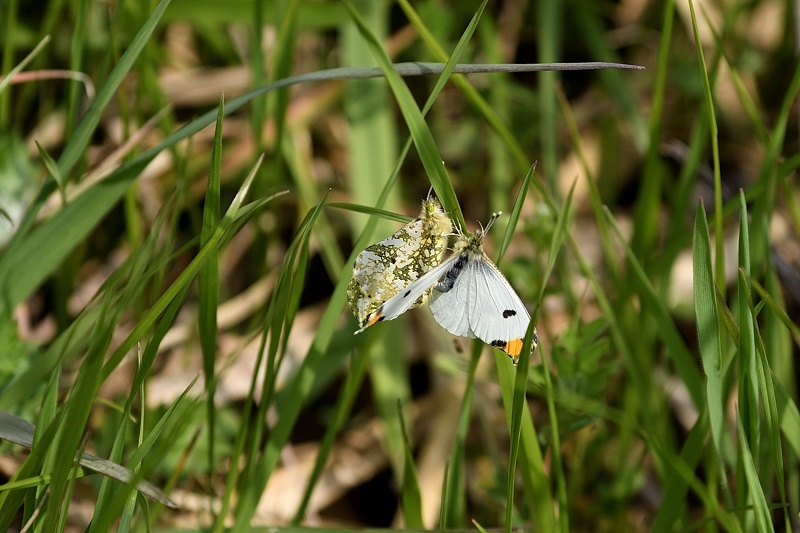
{"points": [[376, 317], [513, 347]]}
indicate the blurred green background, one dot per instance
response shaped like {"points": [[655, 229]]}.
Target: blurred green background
{"points": [[175, 305]]}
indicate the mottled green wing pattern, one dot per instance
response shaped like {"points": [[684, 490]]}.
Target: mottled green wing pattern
{"points": [[388, 266]]}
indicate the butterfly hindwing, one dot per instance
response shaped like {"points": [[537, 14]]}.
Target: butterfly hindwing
{"points": [[406, 299], [385, 268]]}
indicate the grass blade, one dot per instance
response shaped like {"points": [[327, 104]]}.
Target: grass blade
{"points": [[410, 494], [516, 211], [518, 405], [759, 501], [719, 267], [80, 138], [420, 133], [683, 359], [208, 285], [708, 329]]}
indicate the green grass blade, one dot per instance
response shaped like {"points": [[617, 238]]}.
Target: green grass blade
{"points": [[472, 95], [759, 501], [184, 278], [719, 266], [25, 263], [76, 414], [52, 168], [6, 80], [773, 423], [410, 493], [381, 213], [258, 469], [454, 486], [518, 405], [420, 133], [671, 514], [683, 359], [549, 43], [444, 499], [532, 468], [516, 211], [372, 137], [147, 360], [557, 465], [353, 383], [749, 400], [153, 447], [80, 138], [776, 308], [499, 96], [767, 392], [748, 376], [479, 527], [208, 284], [646, 216], [789, 418], [708, 329]]}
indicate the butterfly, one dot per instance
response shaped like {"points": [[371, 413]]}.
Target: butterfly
{"points": [[469, 297], [387, 267]]}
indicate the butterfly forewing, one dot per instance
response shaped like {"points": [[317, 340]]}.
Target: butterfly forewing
{"points": [[451, 307], [497, 314]]}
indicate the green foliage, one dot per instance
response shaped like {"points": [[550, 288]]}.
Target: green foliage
{"points": [[172, 303]]}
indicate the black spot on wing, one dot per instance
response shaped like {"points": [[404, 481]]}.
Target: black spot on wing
{"points": [[509, 312], [405, 295], [498, 344]]}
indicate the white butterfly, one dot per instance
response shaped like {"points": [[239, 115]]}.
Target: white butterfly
{"points": [[387, 267], [469, 298]]}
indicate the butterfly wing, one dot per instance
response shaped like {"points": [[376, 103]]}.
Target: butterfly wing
{"points": [[405, 299], [388, 266], [497, 316], [450, 299]]}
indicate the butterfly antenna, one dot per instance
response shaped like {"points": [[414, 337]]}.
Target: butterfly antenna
{"points": [[489, 224]]}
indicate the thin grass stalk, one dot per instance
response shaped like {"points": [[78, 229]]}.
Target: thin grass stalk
{"points": [[11, 22], [594, 192], [515, 430], [76, 62], [48, 244], [719, 264], [650, 195], [557, 464], [550, 29], [410, 494], [454, 484], [353, 383]]}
